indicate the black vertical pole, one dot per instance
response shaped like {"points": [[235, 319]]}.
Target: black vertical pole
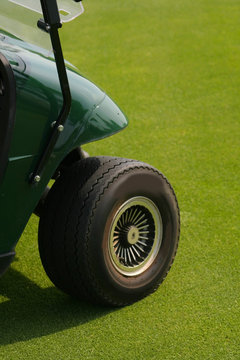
{"points": [[51, 24]]}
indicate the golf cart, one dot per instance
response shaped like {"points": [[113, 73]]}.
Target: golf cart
{"points": [[109, 227]]}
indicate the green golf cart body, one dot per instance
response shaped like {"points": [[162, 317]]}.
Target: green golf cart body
{"points": [[31, 102]]}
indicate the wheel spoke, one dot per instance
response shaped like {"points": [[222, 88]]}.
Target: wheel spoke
{"points": [[132, 253], [134, 212], [130, 214], [139, 247], [144, 226], [144, 232], [118, 249], [125, 256], [136, 223], [143, 237], [120, 222], [126, 216], [142, 243], [143, 222], [129, 257], [116, 245], [136, 216], [135, 250], [122, 254]]}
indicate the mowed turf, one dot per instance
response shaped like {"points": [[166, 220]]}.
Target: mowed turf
{"points": [[174, 69]]}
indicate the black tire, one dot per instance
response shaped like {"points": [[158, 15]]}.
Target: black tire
{"points": [[90, 212]]}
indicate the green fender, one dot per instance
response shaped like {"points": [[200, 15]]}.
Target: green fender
{"points": [[93, 116]]}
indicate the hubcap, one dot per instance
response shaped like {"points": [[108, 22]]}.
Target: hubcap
{"points": [[135, 236]]}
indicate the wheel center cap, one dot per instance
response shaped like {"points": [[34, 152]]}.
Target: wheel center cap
{"points": [[133, 235]]}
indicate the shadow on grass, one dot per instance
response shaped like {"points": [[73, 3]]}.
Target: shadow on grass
{"points": [[30, 311]]}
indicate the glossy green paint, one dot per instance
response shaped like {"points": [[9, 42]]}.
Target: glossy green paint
{"points": [[93, 116]]}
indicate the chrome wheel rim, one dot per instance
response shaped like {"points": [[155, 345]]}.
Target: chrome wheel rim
{"points": [[135, 236]]}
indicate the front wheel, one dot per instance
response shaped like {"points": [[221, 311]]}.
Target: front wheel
{"points": [[110, 230]]}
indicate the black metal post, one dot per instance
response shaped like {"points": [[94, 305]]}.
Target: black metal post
{"points": [[51, 24]]}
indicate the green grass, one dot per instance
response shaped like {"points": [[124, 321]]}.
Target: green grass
{"points": [[174, 68]]}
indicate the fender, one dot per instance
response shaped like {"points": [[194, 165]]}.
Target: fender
{"points": [[93, 114]]}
